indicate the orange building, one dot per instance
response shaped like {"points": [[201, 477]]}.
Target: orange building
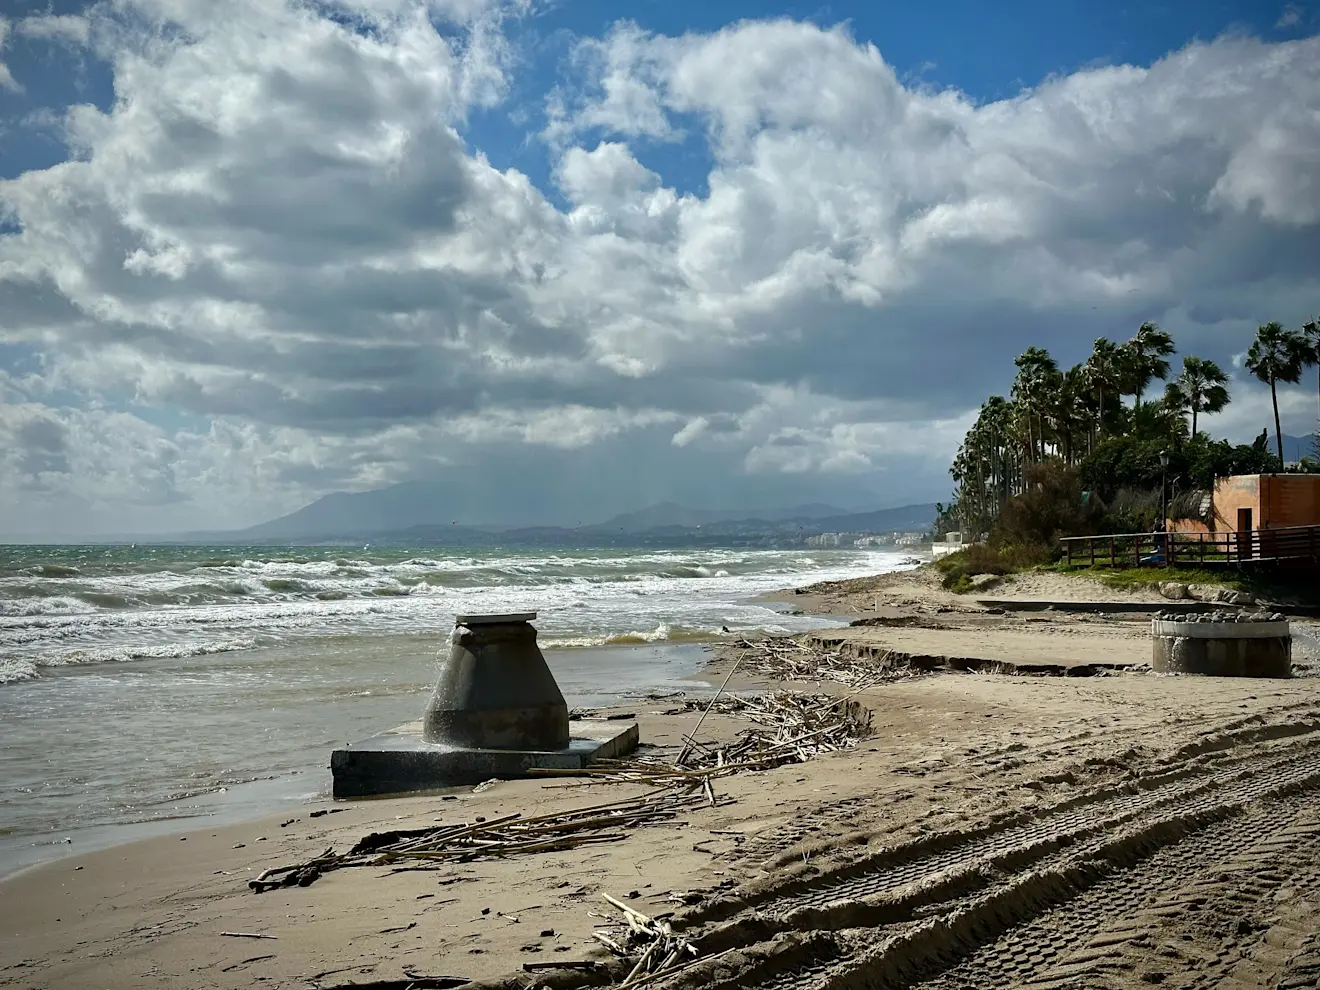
{"points": [[1246, 502]]}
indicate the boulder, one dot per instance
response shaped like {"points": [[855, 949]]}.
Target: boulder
{"points": [[1222, 596], [1173, 590], [1230, 597], [1214, 593], [983, 582]]}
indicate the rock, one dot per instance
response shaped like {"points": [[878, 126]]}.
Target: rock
{"points": [[1210, 593], [1229, 597], [1173, 590], [981, 582]]}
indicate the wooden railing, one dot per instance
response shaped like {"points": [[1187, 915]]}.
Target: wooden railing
{"points": [[1259, 546]]}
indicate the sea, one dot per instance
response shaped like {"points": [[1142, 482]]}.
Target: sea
{"points": [[146, 688]]}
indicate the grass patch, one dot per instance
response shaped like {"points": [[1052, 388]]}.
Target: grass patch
{"points": [[1265, 584], [958, 568], [1139, 578]]}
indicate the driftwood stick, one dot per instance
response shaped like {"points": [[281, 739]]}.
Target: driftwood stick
{"points": [[449, 834], [658, 974], [609, 943], [587, 964], [641, 962], [631, 912], [697, 728]]}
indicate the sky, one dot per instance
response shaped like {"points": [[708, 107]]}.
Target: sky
{"points": [[578, 256]]}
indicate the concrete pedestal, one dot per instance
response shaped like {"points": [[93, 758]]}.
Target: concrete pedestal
{"points": [[401, 761], [495, 690], [1222, 649], [496, 712]]}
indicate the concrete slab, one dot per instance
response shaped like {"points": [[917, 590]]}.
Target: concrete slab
{"points": [[1112, 646], [500, 619], [1176, 605], [1043, 604], [401, 761]]}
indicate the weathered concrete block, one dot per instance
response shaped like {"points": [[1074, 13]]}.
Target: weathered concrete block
{"points": [[496, 712], [402, 761], [1222, 648], [495, 690]]}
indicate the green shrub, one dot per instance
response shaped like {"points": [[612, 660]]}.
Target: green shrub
{"points": [[1131, 510], [960, 567], [1051, 506], [959, 585], [1128, 461]]}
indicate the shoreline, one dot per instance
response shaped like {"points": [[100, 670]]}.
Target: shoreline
{"points": [[245, 803], [949, 754], [288, 791]]}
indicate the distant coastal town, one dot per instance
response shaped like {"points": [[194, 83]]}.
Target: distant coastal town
{"points": [[865, 540]]}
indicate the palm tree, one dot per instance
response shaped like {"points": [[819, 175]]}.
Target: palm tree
{"points": [[1104, 371], [1031, 390], [1277, 355], [988, 465], [1145, 355], [1070, 412], [1311, 334], [1005, 470], [1201, 388], [1158, 422]]}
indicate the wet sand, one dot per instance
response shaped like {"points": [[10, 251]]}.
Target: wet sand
{"points": [[1123, 829]]}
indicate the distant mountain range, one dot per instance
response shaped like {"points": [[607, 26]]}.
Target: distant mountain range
{"points": [[1295, 448], [405, 514], [668, 514]]}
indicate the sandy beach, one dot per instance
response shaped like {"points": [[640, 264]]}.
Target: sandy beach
{"points": [[996, 829]]}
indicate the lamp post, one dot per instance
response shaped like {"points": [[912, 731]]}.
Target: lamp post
{"points": [[1164, 488]]}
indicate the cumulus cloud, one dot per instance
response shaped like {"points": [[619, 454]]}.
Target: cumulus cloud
{"points": [[67, 28], [282, 243], [7, 80], [1289, 17]]}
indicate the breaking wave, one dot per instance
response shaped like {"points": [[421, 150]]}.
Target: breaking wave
{"points": [[78, 605], [19, 669]]}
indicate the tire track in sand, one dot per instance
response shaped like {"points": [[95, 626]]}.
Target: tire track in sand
{"points": [[922, 911]]}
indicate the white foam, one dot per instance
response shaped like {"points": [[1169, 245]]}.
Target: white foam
{"points": [[583, 599]]}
